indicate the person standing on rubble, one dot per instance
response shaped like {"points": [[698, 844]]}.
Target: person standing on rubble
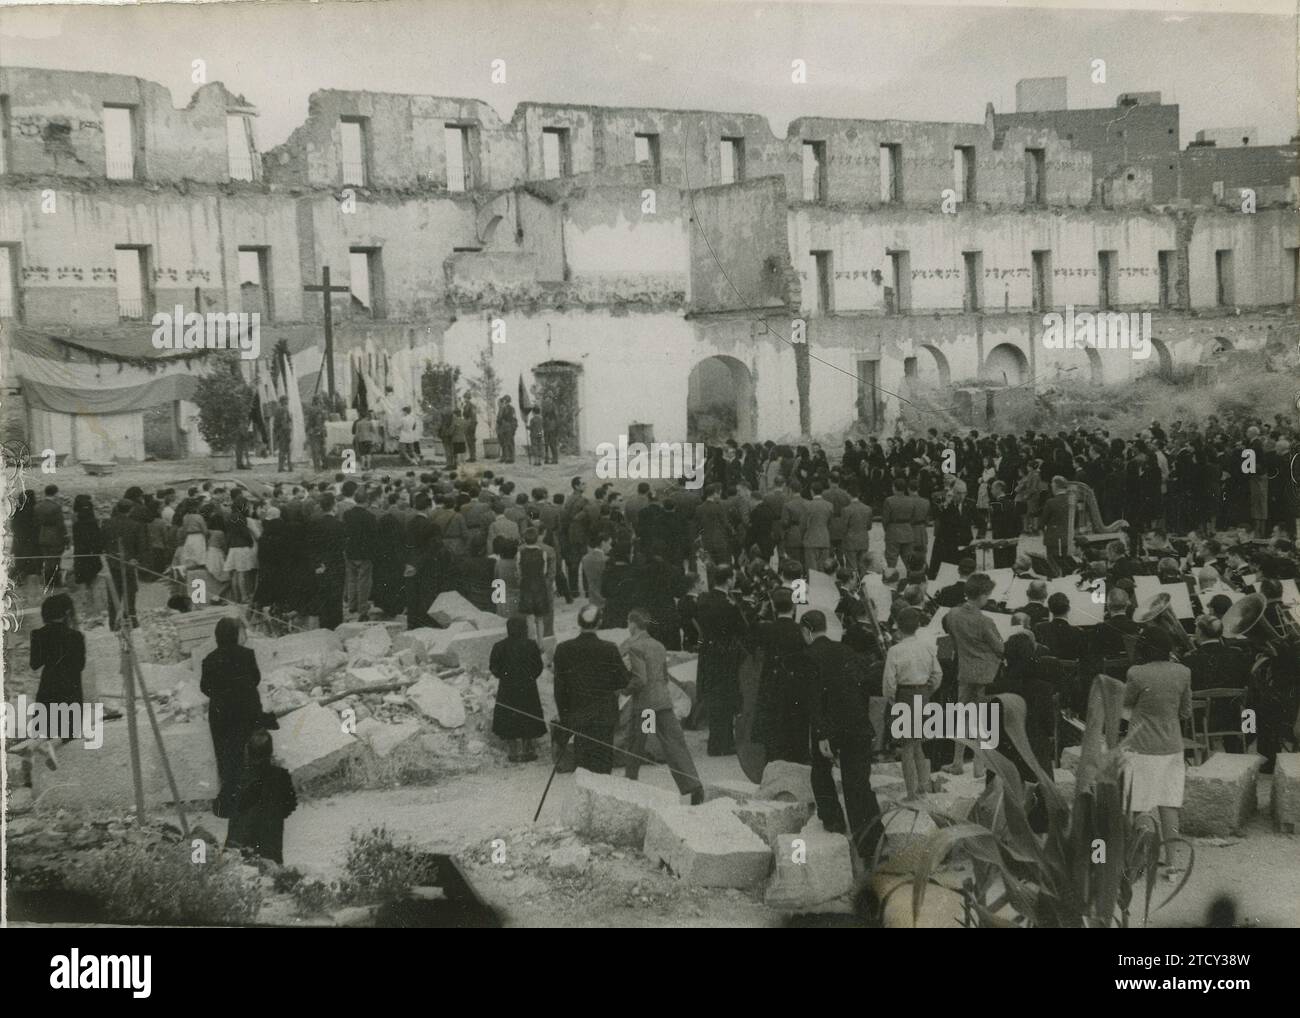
{"points": [[589, 675], [229, 679]]}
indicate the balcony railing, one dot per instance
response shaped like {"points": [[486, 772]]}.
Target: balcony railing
{"points": [[354, 173], [7, 308], [243, 167], [130, 309], [120, 168]]}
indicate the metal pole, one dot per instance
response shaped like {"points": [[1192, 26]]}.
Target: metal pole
{"points": [[128, 684]]}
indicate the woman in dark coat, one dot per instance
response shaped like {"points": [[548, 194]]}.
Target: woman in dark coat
{"points": [[516, 661], [275, 561], [87, 544], [60, 651], [229, 680]]}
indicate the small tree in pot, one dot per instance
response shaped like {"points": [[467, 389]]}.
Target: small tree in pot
{"points": [[225, 403], [485, 391]]}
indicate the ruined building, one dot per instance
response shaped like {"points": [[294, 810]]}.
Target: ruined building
{"points": [[689, 271]]}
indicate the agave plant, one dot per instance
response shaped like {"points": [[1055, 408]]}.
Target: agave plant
{"points": [[1082, 872]]}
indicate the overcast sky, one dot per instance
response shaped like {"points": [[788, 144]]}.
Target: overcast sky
{"points": [[864, 59]]}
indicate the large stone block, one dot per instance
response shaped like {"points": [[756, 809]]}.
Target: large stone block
{"points": [[783, 780], [449, 602], [311, 743], [474, 649], [1070, 758], [606, 808], [738, 791], [706, 845], [1286, 792], [769, 820], [1219, 795], [813, 866], [384, 738], [439, 701], [370, 644], [318, 649]]}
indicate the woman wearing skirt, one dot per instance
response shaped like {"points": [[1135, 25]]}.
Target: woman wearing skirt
{"points": [[516, 662], [1159, 697]]}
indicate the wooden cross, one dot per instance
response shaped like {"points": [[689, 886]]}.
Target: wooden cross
{"points": [[325, 290]]}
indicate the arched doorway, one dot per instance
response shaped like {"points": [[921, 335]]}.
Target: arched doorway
{"points": [[1005, 364], [1163, 362], [931, 367], [720, 401]]}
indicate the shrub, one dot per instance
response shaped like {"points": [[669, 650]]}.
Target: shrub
{"points": [[225, 402], [377, 869], [141, 884]]}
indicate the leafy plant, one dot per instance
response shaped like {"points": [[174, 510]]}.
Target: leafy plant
{"points": [[486, 386], [1056, 879], [140, 884], [377, 869], [437, 393], [225, 402]]}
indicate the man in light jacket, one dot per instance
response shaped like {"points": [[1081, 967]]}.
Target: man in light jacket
{"points": [[652, 709], [979, 654]]}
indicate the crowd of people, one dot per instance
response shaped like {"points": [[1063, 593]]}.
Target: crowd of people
{"points": [[1213, 505]]}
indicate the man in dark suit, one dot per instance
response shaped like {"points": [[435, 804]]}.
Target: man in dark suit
{"points": [[840, 725], [1055, 518], [589, 674], [1109, 642], [1062, 640], [1217, 665], [327, 542], [1036, 605], [955, 594]]}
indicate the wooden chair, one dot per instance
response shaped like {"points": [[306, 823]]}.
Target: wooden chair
{"points": [[1203, 701]]}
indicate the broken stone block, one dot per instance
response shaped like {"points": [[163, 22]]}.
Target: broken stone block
{"points": [[706, 845], [737, 791], [941, 908], [371, 644], [474, 649], [1065, 783], [569, 860], [603, 807], [455, 607], [285, 698], [783, 780], [1219, 795], [684, 676], [318, 650], [769, 820], [813, 866], [384, 738], [1286, 793], [1070, 758], [904, 826], [681, 702], [437, 700], [372, 675], [311, 743]]}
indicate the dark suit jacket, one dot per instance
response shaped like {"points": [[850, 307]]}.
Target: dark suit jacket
{"points": [[838, 707], [1061, 639], [589, 673]]}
